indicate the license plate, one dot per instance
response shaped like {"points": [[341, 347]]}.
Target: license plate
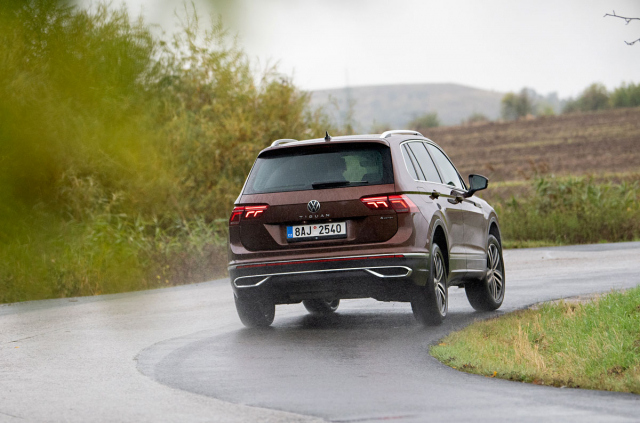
{"points": [[317, 231]]}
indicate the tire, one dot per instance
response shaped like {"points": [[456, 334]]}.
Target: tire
{"points": [[431, 304], [488, 294], [323, 307], [255, 313]]}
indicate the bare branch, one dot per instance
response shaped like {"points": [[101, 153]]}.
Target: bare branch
{"points": [[627, 20]]}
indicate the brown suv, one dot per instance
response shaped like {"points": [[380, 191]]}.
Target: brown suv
{"points": [[383, 216]]}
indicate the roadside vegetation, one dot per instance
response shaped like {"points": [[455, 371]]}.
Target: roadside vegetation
{"points": [[122, 151], [592, 345], [572, 210]]}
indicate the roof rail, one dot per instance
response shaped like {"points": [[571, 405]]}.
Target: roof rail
{"points": [[386, 134], [282, 141]]}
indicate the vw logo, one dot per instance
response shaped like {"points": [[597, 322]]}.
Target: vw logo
{"points": [[313, 206]]}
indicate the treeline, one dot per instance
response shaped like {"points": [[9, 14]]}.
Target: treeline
{"points": [[121, 151], [595, 97]]}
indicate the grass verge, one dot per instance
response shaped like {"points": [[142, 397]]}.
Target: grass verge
{"points": [[593, 345]]}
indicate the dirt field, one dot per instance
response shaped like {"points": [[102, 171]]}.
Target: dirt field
{"points": [[603, 144]]}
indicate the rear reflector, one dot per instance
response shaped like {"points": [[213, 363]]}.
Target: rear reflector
{"points": [[246, 212], [399, 203], [327, 260]]}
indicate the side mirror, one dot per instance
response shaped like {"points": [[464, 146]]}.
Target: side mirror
{"points": [[476, 183]]}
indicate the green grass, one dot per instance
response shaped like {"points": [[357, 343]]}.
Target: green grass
{"points": [[46, 257], [593, 345], [509, 244]]}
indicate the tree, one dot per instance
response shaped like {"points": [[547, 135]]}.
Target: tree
{"points": [[626, 96], [516, 106], [428, 120], [594, 97], [627, 20]]}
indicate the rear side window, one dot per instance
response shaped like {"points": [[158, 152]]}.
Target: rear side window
{"points": [[425, 162], [409, 163], [320, 167], [449, 173]]}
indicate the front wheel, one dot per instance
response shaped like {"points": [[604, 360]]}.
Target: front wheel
{"points": [[488, 294], [253, 313], [431, 304], [323, 307]]}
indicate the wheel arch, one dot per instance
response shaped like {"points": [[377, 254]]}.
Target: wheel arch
{"points": [[494, 228], [439, 236]]}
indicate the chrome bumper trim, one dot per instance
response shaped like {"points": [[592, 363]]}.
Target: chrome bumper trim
{"points": [[370, 270]]}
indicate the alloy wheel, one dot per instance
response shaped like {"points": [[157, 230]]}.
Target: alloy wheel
{"points": [[495, 274], [439, 283]]}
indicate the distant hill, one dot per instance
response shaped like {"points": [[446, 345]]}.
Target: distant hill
{"points": [[396, 105]]}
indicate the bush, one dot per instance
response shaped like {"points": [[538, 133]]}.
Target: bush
{"points": [[428, 120], [572, 211], [477, 118]]}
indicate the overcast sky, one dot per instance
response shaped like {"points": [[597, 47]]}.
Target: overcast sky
{"points": [[501, 45]]}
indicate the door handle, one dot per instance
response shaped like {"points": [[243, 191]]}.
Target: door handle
{"points": [[435, 194], [457, 197]]}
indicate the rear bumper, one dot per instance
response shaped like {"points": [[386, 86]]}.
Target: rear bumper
{"points": [[386, 277]]}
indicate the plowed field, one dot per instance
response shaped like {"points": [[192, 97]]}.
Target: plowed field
{"points": [[603, 144]]}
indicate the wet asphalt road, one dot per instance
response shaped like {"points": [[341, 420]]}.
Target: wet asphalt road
{"points": [[77, 361]]}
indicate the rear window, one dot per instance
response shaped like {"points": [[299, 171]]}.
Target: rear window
{"points": [[320, 167]]}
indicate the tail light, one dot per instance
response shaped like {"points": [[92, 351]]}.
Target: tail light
{"points": [[246, 212], [399, 203], [376, 202], [402, 204]]}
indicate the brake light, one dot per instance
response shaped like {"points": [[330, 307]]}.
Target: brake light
{"points": [[376, 202], [251, 212], [236, 215], [399, 203], [246, 212]]}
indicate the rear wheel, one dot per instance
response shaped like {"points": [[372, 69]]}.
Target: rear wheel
{"points": [[432, 302], [321, 306], [258, 312], [488, 294]]}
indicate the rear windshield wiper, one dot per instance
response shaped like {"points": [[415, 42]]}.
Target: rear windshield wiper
{"points": [[336, 184]]}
